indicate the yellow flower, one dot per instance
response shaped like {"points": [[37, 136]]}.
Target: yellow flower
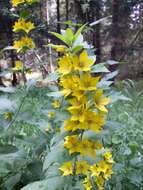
{"points": [[87, 183], [95, 170], [78, 114], [8, 116], [51, 114], [18, 66], [108, 157], [77, 103], [101, 101], [87, 82], [72, 143], [69, 84], [78, 93], [87, 149], [100, 182], [67, 168], [106, 169], [70, 125], [82, 167], [15, 3], [83, 63], [59, 48], [56, 104], [24, 25], [65, 65], [103, 166], [23, 44], [94, 121]]}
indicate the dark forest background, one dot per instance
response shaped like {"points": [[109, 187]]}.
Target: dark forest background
{"points": [[119, 37]]}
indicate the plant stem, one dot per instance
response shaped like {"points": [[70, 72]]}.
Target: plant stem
{"points": [[20, 106]]}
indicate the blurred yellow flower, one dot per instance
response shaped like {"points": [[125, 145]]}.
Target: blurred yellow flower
{"points": [[82, 167], [108, 157], [87, 148], [24, 25], [87, 183], [72, 143], [67, 168], [69, 84], [83, 63], [101, 101], [8, 116], [77, 104], [56, 104], [65, 65], [87, 82], [23, 44], [103, 168], [100, 182], [15, 3], [51, 114]]}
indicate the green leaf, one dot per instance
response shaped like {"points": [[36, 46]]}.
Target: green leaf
{"points": [[11, 161], [110, 75], [127, 151], [56, 94], [112, 62], [24, 14], [12, 181], [104, 84], [99, 68], [79, 32], [5, 149], [77, 48], [60, 37], [58, 154], [116, 96], [135, 177], [69, 36], [53, 183]]}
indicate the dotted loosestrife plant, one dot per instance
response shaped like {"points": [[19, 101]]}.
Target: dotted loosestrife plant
{"points": [[23, 26], [87, 109]]}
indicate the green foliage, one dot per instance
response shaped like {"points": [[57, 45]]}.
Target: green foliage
{"points": [[125, 137]]}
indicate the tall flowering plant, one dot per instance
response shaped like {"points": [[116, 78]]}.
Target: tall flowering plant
{"points": [[86, 102], [23, 26]]}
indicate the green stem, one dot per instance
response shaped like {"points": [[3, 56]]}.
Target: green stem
{"points": [[17, 113]]}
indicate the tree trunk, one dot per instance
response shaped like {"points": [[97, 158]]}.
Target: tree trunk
{"points": [[1, 82], [67, 10], [97, 32], [115, 29], [58, 17]]}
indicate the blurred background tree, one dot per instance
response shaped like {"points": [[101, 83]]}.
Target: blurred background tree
{"points": [[118, 38]]}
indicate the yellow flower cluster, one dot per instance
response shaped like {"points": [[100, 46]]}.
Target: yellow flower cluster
{"points": [[15, 3], [23, 44], [101, 171], [23, 25], [87, 108], [85, 147]]}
